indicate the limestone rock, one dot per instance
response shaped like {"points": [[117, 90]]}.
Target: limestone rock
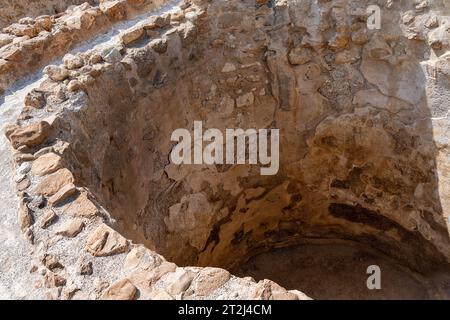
{"points": [[5, 39], [269, 290], [377, 69], [82, 206], [116, 10], [72, 62], [44, 22], [104, 241], [149, 276], [300, 295], [408, 18], [432, 22], [178, 15], [209, 280], [46, 164], [141, 257], [19, 177], [9, 129], [23, 184], [111, 55], [347, 56], [159, 45], [51, 262], [179, 281], [81, 295], [56, 73], [54, 182], [81, 19], [52, 280], [13, 53], [95, 58], [228, 67], [360, 36], [30, 136], [122, 289], [37, 203], [48, 218], [159, 294], [85, 268], [157, 22], [24, 168], [20, 30], [65, 192], [187, 32], [25, 216], [363, 121], [131, 36], [74, 85], [71, 228]]}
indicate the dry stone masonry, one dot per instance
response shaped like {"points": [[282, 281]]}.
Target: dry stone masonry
{"points": [[364, 158]]}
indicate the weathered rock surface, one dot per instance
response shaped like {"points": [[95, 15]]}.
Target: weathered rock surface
{"points": [[121, 290], [46, 164], [65, 192], [54, 182], [48, 218], [71, 228], [30, 136], [82, 206], [104, 241]]}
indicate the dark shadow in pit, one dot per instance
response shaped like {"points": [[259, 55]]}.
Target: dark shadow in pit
{"points": [[334, 271]]}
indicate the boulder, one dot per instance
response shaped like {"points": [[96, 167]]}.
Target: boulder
{"points": [[56, 73], [65, 192], [54, 182], [209, 280], [132, 35], [82, 206], [71, 228], [73, 62], [30, 136], [122, 289]]}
